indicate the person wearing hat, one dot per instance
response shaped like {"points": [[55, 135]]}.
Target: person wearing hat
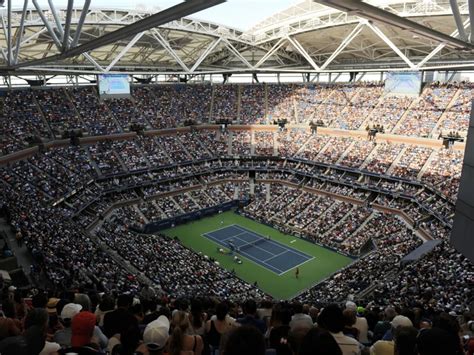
{"points": [[155, 337], [63, 336], [387, 347], [82, 332]]}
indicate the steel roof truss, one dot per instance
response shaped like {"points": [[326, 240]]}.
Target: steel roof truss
{"points": [[124, 50], [165, 44], [435, 51], [237, 53], [303, 52], [272, 51], [387, 40], [354, 33], [205, 54]]}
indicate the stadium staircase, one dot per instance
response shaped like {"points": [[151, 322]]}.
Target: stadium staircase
{"points": [[69, 102], [369, 158], [92, 162], [43, 117], [402, 118], [445, 112], [289, 205], [110, 113], [396, 161], [333, 206], [360, 228], [158, 209], [350, 212], [344, 153], [17, 265], [369, 118], [140, 213], [239, 102], [426, 165], [119, 159], [310, 205]]}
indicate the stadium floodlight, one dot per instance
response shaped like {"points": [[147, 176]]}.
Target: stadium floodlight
{"points": [[373, 13]]}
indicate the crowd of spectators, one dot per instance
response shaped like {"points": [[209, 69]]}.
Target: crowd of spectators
{"points": [[167, 175]]}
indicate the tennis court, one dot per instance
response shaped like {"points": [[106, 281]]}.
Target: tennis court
{"points": [[269, 253]]}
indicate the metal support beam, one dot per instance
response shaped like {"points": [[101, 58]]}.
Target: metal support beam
{"points": [[59, 26], [67, 24], [374, 13], [174, 12], [205, 54], [19, 35], [384, 38], [162, 41], [354, 33], [458, 19], [303, 52], [9, 38], [47, 24], [82, 19], [471, 18], [441, 46], [272, 51], [124, 51], [237, 53]]}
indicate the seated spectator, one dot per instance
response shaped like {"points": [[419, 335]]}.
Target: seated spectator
{"points": [[180, 342], [33, 340], [383, 347], [246, 340], [63, 336], [332, 319], [82, 331], [155, 337], [9, 324], [250, 316], [300, 319], [319, 342], [216, 328], [280, 329], [118, 321], [405, 341]]}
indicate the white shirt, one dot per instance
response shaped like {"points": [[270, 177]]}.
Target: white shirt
{"points": [[348, 345], [363, 327]]}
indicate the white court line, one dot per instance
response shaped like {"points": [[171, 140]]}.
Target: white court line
{"points": [[300, 253], [216, 230], [254, 259], [274, 256]]}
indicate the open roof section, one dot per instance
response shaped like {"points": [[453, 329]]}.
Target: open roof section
{"points": [[307, 37]]}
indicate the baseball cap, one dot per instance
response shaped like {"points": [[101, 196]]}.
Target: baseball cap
{"points": [[51, 306], [401, 321], [157, 332], [70, 310], [82, 328]]}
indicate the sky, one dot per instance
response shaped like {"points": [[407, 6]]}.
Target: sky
{"points": [[241, 14]]}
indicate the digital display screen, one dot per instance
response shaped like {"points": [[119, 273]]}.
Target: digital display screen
{"points": [[403, 83], [114, 85]]}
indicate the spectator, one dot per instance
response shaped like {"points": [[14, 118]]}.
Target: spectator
{"points": [[179, 340], [332, 319], [250, 316]]}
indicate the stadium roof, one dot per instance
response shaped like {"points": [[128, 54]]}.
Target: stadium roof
{"points": [[307, 37]]}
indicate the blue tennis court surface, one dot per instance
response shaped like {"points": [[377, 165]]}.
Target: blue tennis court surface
{"points": [[271, 254]]}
